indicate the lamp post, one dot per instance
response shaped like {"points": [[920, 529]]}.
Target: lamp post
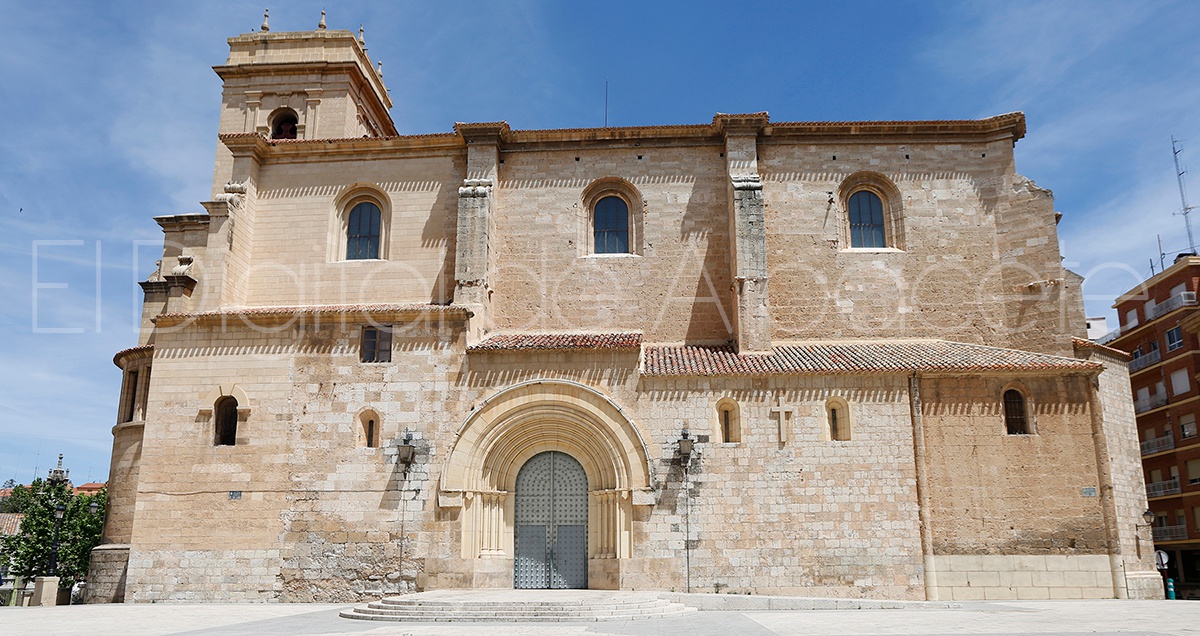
{"points": [[685, 458], [58, 515]]}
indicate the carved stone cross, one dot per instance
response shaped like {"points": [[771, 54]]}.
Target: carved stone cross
{"points": [[783, 412]]}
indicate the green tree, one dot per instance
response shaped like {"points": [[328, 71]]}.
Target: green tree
{"points": [[6, 503], [29, 550]]}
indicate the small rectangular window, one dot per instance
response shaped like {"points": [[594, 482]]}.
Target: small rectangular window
{"points": [[1131, 318], [1174, 339], [1178, 289], [1187, 426], [376, 344], [1180, 383], [1196, 516]]}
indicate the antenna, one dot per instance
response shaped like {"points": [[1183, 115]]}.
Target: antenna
{"points": [[606, 104], [1162, 262], [1179, 172]]}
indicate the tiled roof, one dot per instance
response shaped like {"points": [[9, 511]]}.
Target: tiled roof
{"points": [[1089, 344], [560, 341], [825, 358], [10, 523]]}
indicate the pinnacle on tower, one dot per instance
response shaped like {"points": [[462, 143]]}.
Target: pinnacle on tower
{"points": [[266, 15], [321, 24]]}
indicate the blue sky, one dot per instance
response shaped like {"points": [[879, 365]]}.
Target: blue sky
{"points": [[109, 118]]}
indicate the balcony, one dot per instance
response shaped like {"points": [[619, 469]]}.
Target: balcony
{"points": [[1185, 299], [1158, 444], [1137, 364], [1170, 533], [1162, 488], [1151, 402]]}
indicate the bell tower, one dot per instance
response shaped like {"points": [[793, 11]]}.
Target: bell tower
{"points": [[316, 84]]}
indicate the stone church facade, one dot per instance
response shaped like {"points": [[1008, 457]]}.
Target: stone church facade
{"points": [[815, 358]]}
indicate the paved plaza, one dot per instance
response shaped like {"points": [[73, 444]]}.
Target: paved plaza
{"points": [[1013, 617]]}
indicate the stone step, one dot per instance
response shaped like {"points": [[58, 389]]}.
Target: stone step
{"points": [[515, 611], [512, 607], [524, 618], [401, 601]]}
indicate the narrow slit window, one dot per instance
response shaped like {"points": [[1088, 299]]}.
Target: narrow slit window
{"points": [[371, 441], [131, 385]]}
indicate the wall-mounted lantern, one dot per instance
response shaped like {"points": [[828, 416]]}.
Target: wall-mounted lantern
{"points": [[405, 452], [685, 445]]}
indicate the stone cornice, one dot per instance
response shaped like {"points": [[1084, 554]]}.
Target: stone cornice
{"points": [[265, 150], [125, 356], [483, 133], [743, 124], [365, 313], [1009, 126], [181, 222]]}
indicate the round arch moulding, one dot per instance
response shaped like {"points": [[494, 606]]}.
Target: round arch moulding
{"points": [[523, 420]]}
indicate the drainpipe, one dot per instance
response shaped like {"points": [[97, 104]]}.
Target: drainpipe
{"points": [[914, 394]]}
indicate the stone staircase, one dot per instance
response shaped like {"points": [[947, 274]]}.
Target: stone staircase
{"points": [[519, 606]]}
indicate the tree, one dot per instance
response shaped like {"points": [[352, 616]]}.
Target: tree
{"points": [[29, 550], [6, 502]]}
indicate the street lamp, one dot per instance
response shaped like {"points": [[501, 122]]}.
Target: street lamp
{"points": [[58, 515]]}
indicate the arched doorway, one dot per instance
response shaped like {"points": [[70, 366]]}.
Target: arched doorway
{"points": [[551, 523], [478, 483]]}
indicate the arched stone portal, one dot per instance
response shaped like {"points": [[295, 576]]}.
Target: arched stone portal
{"points": [[516, 424]]}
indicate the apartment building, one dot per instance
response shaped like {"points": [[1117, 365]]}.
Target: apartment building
{"points": [[1162, 375]]}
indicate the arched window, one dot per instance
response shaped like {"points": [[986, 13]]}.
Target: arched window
{"points": [[866, 220], [729, 426], [226, 412], [284, 124], [837, 420], [1016, 419], [610, 226], [363, 231]]}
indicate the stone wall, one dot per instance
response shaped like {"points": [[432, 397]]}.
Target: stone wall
{"points": [[107, 569]]}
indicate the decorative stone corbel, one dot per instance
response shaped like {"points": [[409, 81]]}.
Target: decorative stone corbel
{"points": [[475, 188], [746, 182]]}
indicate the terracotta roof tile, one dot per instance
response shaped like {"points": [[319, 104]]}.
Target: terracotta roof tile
{"points": [[1080, 343], [560, 341], [10, 523], [823, 358]]}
